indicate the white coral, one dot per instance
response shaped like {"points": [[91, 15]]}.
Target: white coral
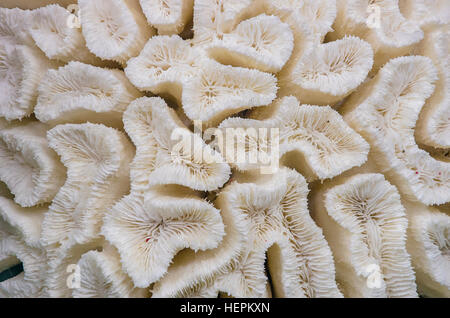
{"points": [[168, 16], [262, 42], [313, 139], [433, 125], [114, 29], [156, 228], [21, 69], [30, 169], [380, 23], [170, 153], [219, 91], [15, 26], [385, 113], [101, 276], [365, 224], [53, 35], [97, 159], [429, 245], [274, 217], [78, 92], [329, 72], [163, 65], [20, 230]]}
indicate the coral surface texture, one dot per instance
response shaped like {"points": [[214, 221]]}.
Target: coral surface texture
{"points": [[225, 148]]}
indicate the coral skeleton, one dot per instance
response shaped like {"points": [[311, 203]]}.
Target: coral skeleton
{"points": [[168, 16], [31, 170], [77, 91], [313, 139], [53, 34], [365, 224], [386, 112], [20, 230], [114, 29], [224, 149]]}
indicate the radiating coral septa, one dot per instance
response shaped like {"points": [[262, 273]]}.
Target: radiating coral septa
{"points": [[177, 155], [32, 170], [318, 15], [214, 18], [27, 222], [63, 272], [168, 16], [219, 91], [433, 125], [15, 26], [78, 92], [262, 42], [386, 112], [97, 159], [313, 139], [164, 65], [269, 220], [29, 283], [57, 38], [425, 12], [157, 230], [329, 72], [19, 246], [101, 276], [21, 69], [381, 24], [365, 224], [429, 246], [114, 29]]}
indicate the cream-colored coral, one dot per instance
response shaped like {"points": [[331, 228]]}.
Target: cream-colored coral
{"points": [[273, 212], [219, 91], [365, 224], [20, 230], [194, 273], [170, 153], [429, 244], [157, 226], [433, 125], [329, 72], [101, 276], [168, 16], [163, 66], [313, 139], [262, 42], [426, 12], [276, 216], [15, 26], [31, 170], [385, 113], [114, 29], [21, 69], [97, 159], [212, 18], [78, 92], [381, 23], [53, 34], [187, 148]]}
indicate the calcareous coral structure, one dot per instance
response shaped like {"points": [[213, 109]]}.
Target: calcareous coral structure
{"points": [[225, 148]]}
